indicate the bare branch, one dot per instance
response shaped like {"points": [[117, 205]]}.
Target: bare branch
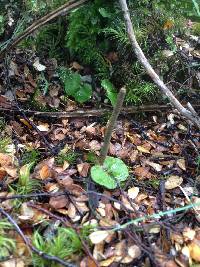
{"points": [[143, 60]]}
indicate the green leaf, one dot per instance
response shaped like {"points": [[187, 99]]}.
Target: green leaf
{"points": [[110, 91], [104, 13], [75, 86], [72, 83], [112, 172], [83, 93]]}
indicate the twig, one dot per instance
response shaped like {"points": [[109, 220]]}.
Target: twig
{"points": [[29, 245], [70, 5], [191, 116], [111, 125], [91, 112]]}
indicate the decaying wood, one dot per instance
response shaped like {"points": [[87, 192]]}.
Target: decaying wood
{"points": [[70, 5], [189, 114], [91, 112]]}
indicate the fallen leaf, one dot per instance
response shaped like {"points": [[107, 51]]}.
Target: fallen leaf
{"points": [[133, 192], [43, 127], [58, 202], [143, 149], [83, 169], [181, 164], [173, 181], [12, 263], [38, 66], [5, 160], [107, 262], [134, 251], [46, 172], [98, 236], [142, 172], [156, 166], [194, 248]]}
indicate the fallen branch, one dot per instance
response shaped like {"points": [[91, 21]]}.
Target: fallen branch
{"points": [[189, 113], [70, 5], [91, 112]]}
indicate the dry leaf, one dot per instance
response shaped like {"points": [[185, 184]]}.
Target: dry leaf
{"points": [[12, 263], [46, 172], [143, 149], [134, 251], [194, 249], [98, 236], [58, 202], [142, 172], [83, 169], [107, 262], [38, 66], [173, 181], [181, 164], [133, 192], [156, 166], [5, 160]]}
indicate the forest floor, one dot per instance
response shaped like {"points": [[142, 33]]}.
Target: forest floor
{"points": [[52, 213]]}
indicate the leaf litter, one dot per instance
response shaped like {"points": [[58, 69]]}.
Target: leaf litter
{"points": [[162, 152]]}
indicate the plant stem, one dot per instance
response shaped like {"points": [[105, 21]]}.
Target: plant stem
{"points": [[111, 125]]}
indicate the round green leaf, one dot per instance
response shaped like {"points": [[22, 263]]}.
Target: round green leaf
{"points": [[112, 172], [83, 93]]}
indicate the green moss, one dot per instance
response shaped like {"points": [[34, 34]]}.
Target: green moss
{"points": [[69, 156], [196, 29]]}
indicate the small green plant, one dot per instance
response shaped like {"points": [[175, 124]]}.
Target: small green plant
{"points": [[26, 184], [140, 92], [64, 244], [111, 173], [7, 244], [30, 155], [43, 84], [4, 143], [74, 85], [69, 156]]}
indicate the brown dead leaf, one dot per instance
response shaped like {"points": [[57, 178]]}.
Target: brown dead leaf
{"points": [[181, 164], [154, 165], [94, 145], [2, 173], [83, 169], [98, 236], [133, 192], [5, 160], [142, 172], [107, 262], [58, 202], [11, 171], [173, 181], [13, 263], [71, 211], [194, 248], [46, 172], [87, 262], [143, 149]]}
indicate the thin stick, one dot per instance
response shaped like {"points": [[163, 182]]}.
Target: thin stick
{"points": [[188, 114], [29, 245], [80, 113], [111, 125], [72, 4]]}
